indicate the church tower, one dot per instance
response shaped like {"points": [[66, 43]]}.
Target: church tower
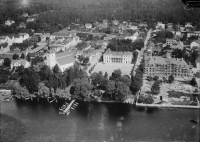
{"points": [[51, 59]]}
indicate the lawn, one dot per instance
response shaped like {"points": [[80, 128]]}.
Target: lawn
{"points": [[110, 67]]}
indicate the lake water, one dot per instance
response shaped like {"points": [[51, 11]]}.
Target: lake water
{"points": [[97, 122]]}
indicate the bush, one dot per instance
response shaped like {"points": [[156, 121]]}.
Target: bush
{"points": [[141, 99]]}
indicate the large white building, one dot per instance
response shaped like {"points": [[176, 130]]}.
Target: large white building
{"points": [[64, 59], [117, 57]]}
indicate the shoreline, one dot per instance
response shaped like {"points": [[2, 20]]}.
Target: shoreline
{"points": [[166, 106]]}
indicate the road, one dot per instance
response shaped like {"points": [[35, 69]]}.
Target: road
{"points": [[140, 55]]}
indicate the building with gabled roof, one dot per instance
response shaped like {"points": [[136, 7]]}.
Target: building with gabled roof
{"points": [[63, 59], [17, 63], [157, 65], [4, 48], [117, 57], [9, 22]]}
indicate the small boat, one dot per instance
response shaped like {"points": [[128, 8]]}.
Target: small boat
{"points": [[75, 104], [193, 121], [72, 108], [60, 112], [61, 109]]}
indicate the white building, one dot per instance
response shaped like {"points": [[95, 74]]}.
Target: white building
{"points": [[88, 26], [64, 60], [18, 39], [24, 35], [117, 57], [17, 63], [9, 22], [3, 39], [195, 43], [133, 37], [170, 41], [30, 20], [160, 25]]}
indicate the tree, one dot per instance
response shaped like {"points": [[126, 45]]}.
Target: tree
{"points": [[170, 78], [15, 57], [86, 60], [126, 80], [97, 79], [7, 62], [116, 75], [193, 82], [106, 75], [110, 88], [155, 78], [28, 58], [43, 91], [155, 89], [121, 91], [21, 91], [82, 89], [149, 99], [22, 56], [21, 70], [56, 69], [141, 98]]}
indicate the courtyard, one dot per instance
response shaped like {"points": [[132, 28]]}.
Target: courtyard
{"points": [[110, 67]]}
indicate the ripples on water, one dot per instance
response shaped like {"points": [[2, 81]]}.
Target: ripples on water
{"points": [[95, 122]]}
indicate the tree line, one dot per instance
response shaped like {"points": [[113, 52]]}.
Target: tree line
{"points": [[57, 14]]}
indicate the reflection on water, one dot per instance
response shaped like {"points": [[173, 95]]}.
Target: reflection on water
{"points": [[95, 122]]}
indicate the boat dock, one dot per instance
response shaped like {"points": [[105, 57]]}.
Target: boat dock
{"points": [[68, 107]]}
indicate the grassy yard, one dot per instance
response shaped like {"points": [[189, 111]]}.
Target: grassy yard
{"points": [[110, 67]]}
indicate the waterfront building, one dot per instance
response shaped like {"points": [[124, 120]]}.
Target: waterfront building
{"points": [[117, 57], [157, 65]]}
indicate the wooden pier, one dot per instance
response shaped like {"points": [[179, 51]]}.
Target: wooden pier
{"points": [[68, 107]]}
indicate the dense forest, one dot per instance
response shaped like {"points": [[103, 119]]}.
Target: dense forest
{"points": [[60, 13]]}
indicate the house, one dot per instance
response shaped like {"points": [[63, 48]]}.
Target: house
{"points": [[117, 57], [188, 26], [9, 22], [193, 33], [32, 55], [3, 39], [143, 25], [64, 59], [132, 27], [180, 46], [157, 65], [25, 15], [88, 26], [133, 37], [115, 22], [62, 34], [195, 43], [160, 25], [25, 36], [4, 48], [17, 63], [18, 39], [31, 19], [170, 41], [22, 25]]}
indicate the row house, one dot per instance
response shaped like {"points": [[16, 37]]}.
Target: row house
{"points": [[117, 57], [157, 65]]}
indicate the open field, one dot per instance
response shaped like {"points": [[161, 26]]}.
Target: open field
{"points": [[110, 67]]}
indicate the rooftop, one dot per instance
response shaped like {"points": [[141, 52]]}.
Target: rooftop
{"points": [[65, 57], [115, 53]]}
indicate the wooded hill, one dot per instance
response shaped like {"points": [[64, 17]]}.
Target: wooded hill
{"points": [[63, 12]]}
